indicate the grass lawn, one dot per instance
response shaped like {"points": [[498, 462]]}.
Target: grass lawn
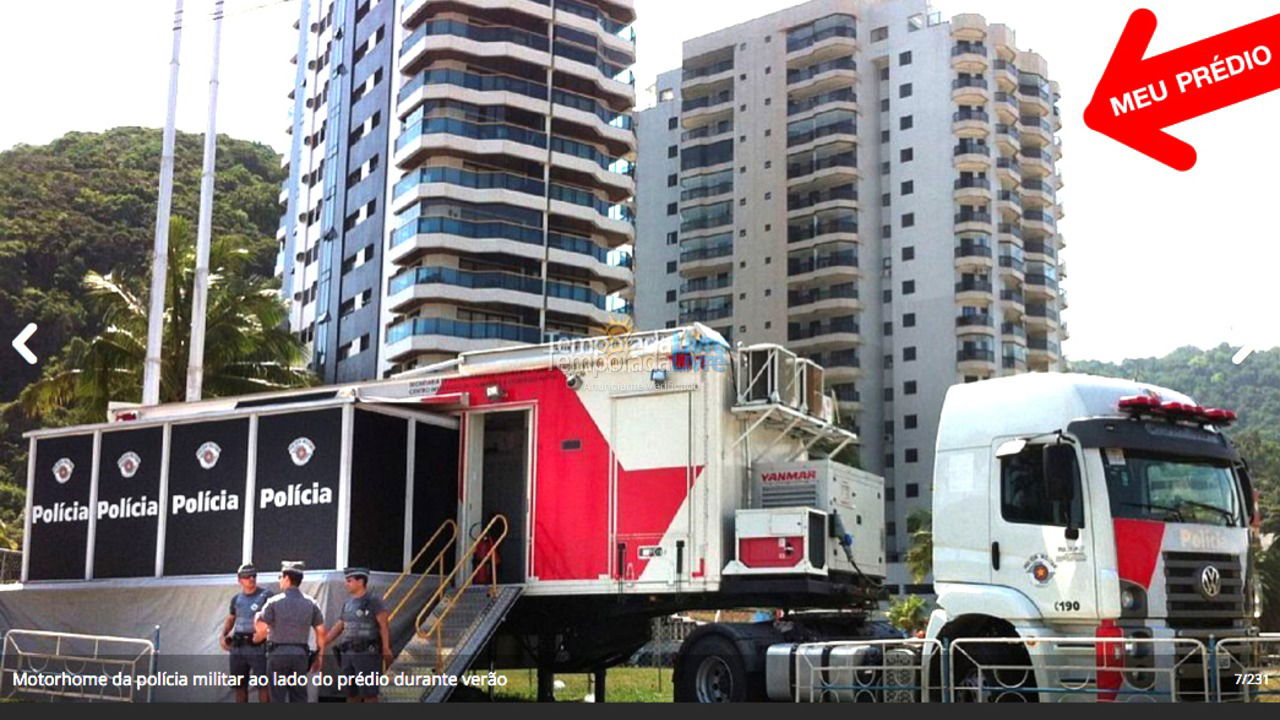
{"points": [[625, 684]]}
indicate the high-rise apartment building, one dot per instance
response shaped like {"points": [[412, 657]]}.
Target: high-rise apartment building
{"points": [[463, 179], [873, 187]]}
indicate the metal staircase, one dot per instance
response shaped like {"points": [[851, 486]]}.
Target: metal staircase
{"points": [[456, 621]]}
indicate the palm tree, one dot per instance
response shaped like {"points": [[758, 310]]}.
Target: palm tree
{"points": [[920, 553], [247, 348]]}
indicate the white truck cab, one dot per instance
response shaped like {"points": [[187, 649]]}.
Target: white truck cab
{"points": [[1076, 506]]}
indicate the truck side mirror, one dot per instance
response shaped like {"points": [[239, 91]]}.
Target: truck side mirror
{"points": [[1060, 478]]}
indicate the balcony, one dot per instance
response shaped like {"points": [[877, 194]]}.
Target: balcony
{"points": [[706, 223], [970, 91], [841, 259], [974, 220], [706, 132], [706, 314], [1008, 138], [842, 29], [1035, 100], [1042, 315], [401, 336], [971, 156], [1044, 345], [846, 395], [1014, 264], [832, 72], [973, 252], [707, 75], [824, 125], [969, 57], [1012, 300], [841, 195], [1010, 230], [1036, 129], [841, 164], [1039, 220], [969, 190], [833, 299], [1008, 170], [704, 284], [1006, 74], [1045, 251], [803, 231], [969, 123], [1013, 331], [976, 291], [420, 277], [1041, 285], [975, 323], [711, 252], [812, 335], [706, 101], [843, 95], [976, 360]]}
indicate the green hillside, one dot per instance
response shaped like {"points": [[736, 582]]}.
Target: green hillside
{"points": [[87, 202]]}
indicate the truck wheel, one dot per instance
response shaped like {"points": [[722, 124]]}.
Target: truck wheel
{"points": [[712, 671]]}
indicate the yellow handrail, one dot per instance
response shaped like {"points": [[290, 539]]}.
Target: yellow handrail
{"points": [[438, 560], [437, 627]]}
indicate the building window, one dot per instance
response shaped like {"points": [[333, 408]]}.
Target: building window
{"points": [[904, 90], [666, 94], [908, 220], [888, 328], [672, 209], [673, 151], [884, 73], [1024, 497], [908, 354], [884, 168], [911, 455], [886, 231], [673, 123], [671, 296], [909, 320], [910, 422], [913, 489], [888, 460], [909, 387], [885, 199], [907, 187], [671, 267], [884, 104], [906, 122], [888, 394], [886, 296], [880, 33], [904, 58], [906, 155], [884, 136], [908, 287], [908, 253], [672, 180]]}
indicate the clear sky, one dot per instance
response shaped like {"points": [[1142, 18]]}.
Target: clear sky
{"points": [[1155, 258]]}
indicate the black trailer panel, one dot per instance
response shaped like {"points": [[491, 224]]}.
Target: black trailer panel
{"points": [[130, 465], [208, 466], [379, 471], [295, 500], [60, 497]]}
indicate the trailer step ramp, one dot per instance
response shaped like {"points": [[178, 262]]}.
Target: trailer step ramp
{"points": [[457, 621], [450, 651]]}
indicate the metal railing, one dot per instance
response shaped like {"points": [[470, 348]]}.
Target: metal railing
{"points": [[437, 564], [70, 666], [1243, 667], [439, 605]]}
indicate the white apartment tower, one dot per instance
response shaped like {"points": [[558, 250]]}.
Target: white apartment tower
{"points": [[461, 178], [873, 187]]}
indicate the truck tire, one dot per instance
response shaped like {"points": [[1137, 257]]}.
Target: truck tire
{"points": [[712, 670], [1005, 685]]}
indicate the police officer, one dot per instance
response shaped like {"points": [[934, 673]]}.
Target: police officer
{"points": [[285, 623], [366, 646], [247, 657]]}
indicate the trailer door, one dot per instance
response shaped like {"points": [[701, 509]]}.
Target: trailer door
{"points": [[1042, 544], [653, 483]]}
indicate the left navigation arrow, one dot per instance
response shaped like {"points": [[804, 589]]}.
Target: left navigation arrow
{"points": [[20, 344]]}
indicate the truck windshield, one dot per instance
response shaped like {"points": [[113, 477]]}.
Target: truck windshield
{"points": [[1152, 487]]}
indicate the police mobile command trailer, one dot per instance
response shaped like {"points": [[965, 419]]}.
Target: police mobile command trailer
{"points": [[638, 475]]}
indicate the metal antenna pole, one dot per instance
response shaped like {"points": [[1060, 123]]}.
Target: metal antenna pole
{"points": [[200, 293], [160, 254], [546, 178]]}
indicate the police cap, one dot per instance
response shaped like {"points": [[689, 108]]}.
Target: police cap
{"points": [[356, 572], [247, 570]]}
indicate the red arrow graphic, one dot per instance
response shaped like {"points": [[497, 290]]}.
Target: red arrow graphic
{"points": [[1138, 98]]}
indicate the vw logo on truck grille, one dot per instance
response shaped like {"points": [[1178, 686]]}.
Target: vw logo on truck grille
{"points": [[1210, 582]]}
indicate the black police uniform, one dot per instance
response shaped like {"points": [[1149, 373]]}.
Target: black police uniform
{"points": [[290, 615], [247, 658], [361, 644]]}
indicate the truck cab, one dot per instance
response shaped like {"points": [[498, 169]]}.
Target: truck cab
{"points": [[1076, 506]]}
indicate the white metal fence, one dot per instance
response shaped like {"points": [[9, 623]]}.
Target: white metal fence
{"points": [[36, 664], [1044, 669]]}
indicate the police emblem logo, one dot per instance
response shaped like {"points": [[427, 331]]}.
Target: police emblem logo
{"points": [[208, 455], [301, 450], [62, 470], [254, 607], [129, 464]]}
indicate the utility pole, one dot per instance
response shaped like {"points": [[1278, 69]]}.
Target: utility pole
{"points": [[160, 255], [200, 293], [546, 179]]}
